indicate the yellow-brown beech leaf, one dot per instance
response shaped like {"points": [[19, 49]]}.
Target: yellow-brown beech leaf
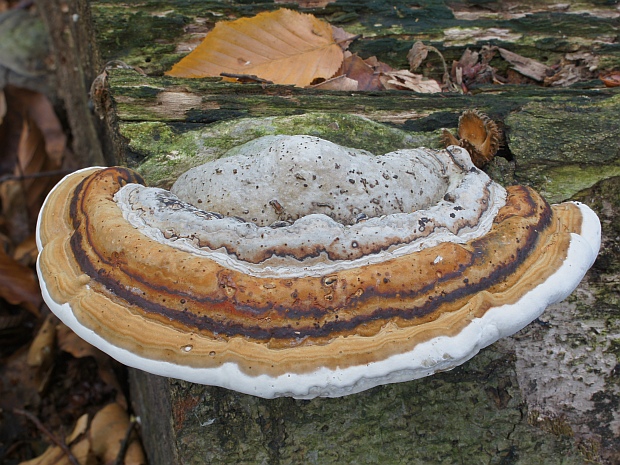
{"points": [[107, 431], [283, 46]]}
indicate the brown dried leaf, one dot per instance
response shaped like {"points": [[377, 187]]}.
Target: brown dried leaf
{"points": [[31, 155], [469, 59], [417, 55], [526, 66], [401, 80], [18, 220], [42, 113], [18, 284], [568, 74], [378, 66], [41, 351], [26, 251], [71, 343], [283, 46], [18, 385], [337, 83], [473, 68], [36, 107], [342, 37], [81, 426], [107, 431], [359, 70], [33, 141], [81, 450]]}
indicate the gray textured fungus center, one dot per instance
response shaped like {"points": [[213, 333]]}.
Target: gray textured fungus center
{"points": [[278, 202], [284, 178]]}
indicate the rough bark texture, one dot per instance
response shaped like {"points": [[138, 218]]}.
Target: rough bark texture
{"points": [[548, 395], [76, 64]]}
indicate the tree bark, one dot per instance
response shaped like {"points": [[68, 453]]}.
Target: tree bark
{"points": [[77, 63], [547, 395]]}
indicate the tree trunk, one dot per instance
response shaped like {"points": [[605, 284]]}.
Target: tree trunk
{"points": [[76, 64], [547, 395]]}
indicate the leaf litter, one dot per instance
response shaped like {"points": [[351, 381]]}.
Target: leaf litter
{"points": [[291, 48], [50, 380]]}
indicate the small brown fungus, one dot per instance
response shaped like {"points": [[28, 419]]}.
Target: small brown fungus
{"points": [[478, 134]]}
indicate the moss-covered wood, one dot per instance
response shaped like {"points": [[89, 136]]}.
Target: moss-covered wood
{"points": [[548, 395], [141, 98], [154, 34], [508, 403]]}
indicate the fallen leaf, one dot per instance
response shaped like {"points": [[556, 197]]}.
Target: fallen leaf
{"points": [[81, 426], [526, 66], [81, 449], [18, 384], [33, 142], [54, 455], [18, 221], [37, 107], [71, 343], [108, 430], [353, 67], [417, 55], [18, 285], [337, 83], [41, 351], [283, 46], [473, 68], [403, 79], [567, 74], [342, 37], [378, 66], [26, 251]]}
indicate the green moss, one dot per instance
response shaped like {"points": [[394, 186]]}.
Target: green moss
{"points": [[164, 151], [561, 149], [144, 34], [442, 419], [559, 183], [139, 38]]}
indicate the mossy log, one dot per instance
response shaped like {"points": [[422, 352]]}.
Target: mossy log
{"points": [[548, 395]]}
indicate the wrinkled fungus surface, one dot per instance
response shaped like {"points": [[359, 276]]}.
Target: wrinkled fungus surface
{"points": [[296, 267]]}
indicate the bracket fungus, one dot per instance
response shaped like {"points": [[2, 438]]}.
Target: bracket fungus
{"points": [[296, 267]]}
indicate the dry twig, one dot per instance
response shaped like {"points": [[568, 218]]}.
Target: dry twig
{"points": [[49, 434]]}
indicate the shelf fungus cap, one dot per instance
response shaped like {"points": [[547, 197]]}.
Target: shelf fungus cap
{"points": [[296, 267]]}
